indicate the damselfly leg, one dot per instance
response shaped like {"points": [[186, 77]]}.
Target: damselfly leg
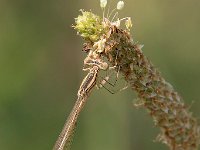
{"points": [[109, 83], [92, 60]]}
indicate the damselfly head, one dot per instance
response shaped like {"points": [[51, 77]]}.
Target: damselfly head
{"points": [[87, 47]]}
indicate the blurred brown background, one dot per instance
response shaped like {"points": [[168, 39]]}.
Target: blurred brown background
{"points": [[41, 70]]}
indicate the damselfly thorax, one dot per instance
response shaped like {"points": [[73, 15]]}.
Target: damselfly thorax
{"points": [[104, 79], [89, 81]]}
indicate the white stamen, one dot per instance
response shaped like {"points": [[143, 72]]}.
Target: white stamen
{"points": [[120, 5], [103, 3]]}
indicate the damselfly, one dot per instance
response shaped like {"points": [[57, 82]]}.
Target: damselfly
{"points": [[87, 85]]}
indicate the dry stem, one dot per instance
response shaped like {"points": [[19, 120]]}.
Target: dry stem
{"points": [[179, 129]]}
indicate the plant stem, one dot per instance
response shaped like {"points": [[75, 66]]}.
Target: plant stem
{"points": [[179, 129]]}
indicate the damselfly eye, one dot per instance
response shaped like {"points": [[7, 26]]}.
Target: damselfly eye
{"points": [[86, 47]]}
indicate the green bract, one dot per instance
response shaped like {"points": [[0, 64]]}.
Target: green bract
{"points": [[89, 26]]}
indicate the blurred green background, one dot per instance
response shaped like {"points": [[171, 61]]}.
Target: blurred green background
{"points": [[41, 70]]}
